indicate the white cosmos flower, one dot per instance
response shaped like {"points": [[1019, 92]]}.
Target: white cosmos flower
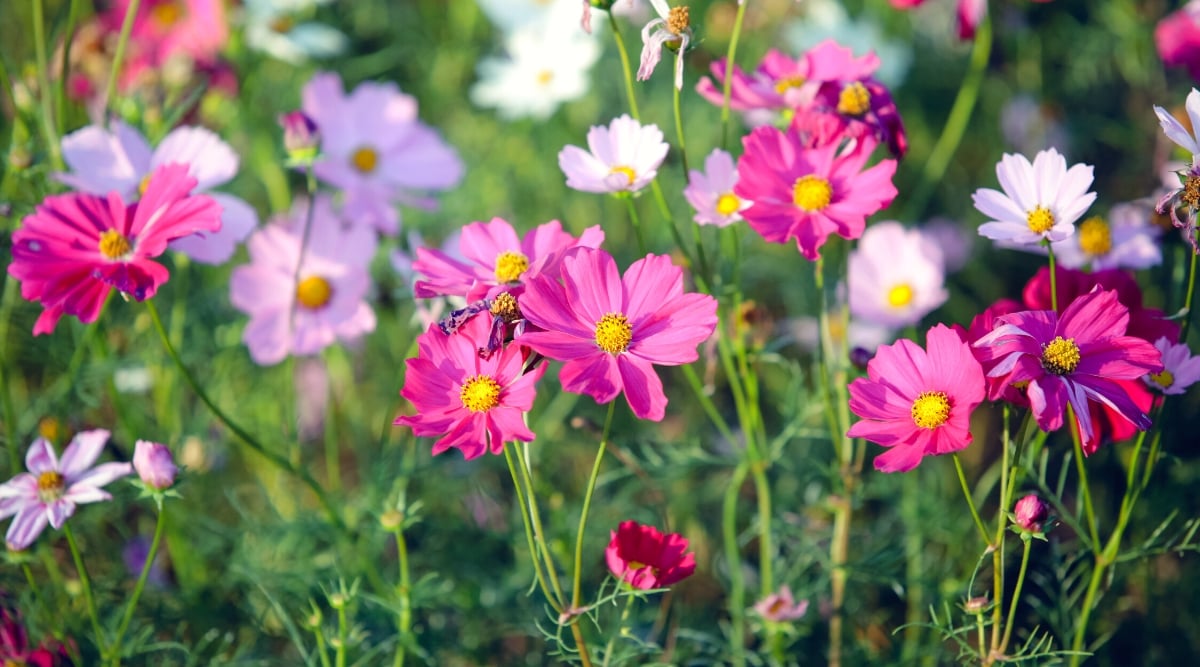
{"points": [[623, 157], [1175, 130], [896, 276], [1040, 202], [671, 27], [543, 69]]}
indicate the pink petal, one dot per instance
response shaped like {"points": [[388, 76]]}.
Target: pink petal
{"points": [[83, 451]]}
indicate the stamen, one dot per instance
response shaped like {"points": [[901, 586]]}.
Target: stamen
{"points": [[510, 265], [614, 333], [505, 307], [1095, 236], [114, 245], [854, 100], [50, 486], [900, 296], [1040, 220], [728, 204], [788, 82], [1060, 356], [480, 393], [544, 77], [365, 159], [314, 292], [811, 193], [1191, 192], [678, 20], [630, 174], [1164, 379], [931, 409]]}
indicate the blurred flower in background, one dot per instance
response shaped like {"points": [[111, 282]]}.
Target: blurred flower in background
{"points": [[827, 19], [279, 28], [896, 276], [1177, 37], [544, 67]]}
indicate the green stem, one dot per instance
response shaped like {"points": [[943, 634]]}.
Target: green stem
{"points": [[1187, 303], [608, 648], [962, 480], [45, 94], [339, 657], [65, 69], [11, 432], [539, 534], [729, 58], [404, 622], [86, 583], [737, 586], [1085, 491], [534, 554], [114, 74], [679, 124], [281, 462], [587, 505], [1089, 601], [1016, 596], [1053, 280], [115, 648], [998, 541], [625, 68], [636, 221]]}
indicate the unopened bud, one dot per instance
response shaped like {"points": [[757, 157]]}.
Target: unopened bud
{"points": [[976, 605], [860, 357], [1030, 513], [154, 464], [301, 137], [391, 519]]}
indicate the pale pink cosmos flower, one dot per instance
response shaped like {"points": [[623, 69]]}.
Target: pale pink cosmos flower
{"points": [[896, 276], [1175, 130], [623, 157], [120, 159], [1041, 201], [197, 29], [302, 311], [672, 27], [918, 402], [1180, 369], [1126, 240], [611, 330], [154, 464], [781, 607], [711, 192], [475, 403], [494, 259], [75, 248], [376, 150], [49, 492], [429, 310]]}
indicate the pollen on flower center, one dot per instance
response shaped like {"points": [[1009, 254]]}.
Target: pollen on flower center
{"points": [[900, 296], [728, 204], [1040, 220], [811, 193], [625, 171], [854, 100], [314, 292], [544, 77], [114, 245], [282, 25], [1060, 356], [510, 265], [365, 159], [50, 485], [166, 14], [505, 307], [1191, 192], [931, 409], [613, 333], [787, 83], [480, 393], [678, 20], [1164, 379], [1095, 236]]}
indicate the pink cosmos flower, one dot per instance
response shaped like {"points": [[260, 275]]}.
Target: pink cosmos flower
{"points": [[644, 558], [624, 157], [1041, 201], [781, 607], [1180, 369], [918, 402], [711, 192], [376, 150], [1074, 359], [494, 259], [611, 330], [17, 651], [1178, 39], [968, 15], [154, 464], [121, 159], [808, 193], [304, 310], [49, 492], [896, 276], [672, 27], [475, 403], [76, 247], [163, 29]]}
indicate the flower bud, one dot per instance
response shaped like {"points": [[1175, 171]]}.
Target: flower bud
{"points": [[976, 605], [860, 357], [154, 464], [391, 520], [1031, 513], [301, 137]]}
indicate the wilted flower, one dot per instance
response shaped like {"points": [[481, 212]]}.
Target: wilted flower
{"points": [[644, 558], [671, 28], [154, 464]]}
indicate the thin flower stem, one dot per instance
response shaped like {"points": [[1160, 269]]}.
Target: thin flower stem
{"points": [[1187, 301], [11, 435], [636, 221], [737, 586], [998, 542], [114, 74], [1084, 488], [281, 462], [706, 403], [321, 652], [404, 591], [1016, 596], [962, 479], [625, 68], [587, 505], [86, 583], [115, 648], [679, 123], [339, 657], [729, 58], [65, 68], [1085, 614], [539, 535], [45, 94], [1053, 280], [608, 648], [509, 448], [33, 586]]}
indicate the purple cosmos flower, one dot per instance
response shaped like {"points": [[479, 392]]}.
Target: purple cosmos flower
{"points": [[1180, 369], [49, 492]]}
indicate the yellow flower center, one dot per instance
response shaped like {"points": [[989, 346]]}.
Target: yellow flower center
{"points": [[145, 183], [626, 171], [1164, 379], [365, 159], [113, 245], [678, 20], [505, 306], [49, 428], [787, 83], [1040, 220], [1060, 356], [931, 409], [811, 193], [900, 296], [510, 265], [544, 77], [166, 14], [776, 607], [636, 565], [1095, 236], [854, 100], [613, 333], [50, 486], [314, 292], [1191, 192], [282, 25], [480, 393], [728, 204]]}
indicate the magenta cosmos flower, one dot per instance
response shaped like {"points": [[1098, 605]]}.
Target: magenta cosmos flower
{"points": [[376, 150], [1073, 359], [623, 157], [1177, 37], [711, 192], [164, 29], [494, 259], [918, 402], [644, 558], [49, 492], [475, 403], [76, 247], [302, 303], [611, 330], [121, 159], [806, 193]]}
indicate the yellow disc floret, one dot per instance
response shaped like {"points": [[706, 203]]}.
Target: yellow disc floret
{"points": [[1060, 356], [50, 486], [613, 333], [1164, 379], [728, 204], [365, 159], [114, 245], [480, 393], [166, 14], [678, 20], [854, 100], [900, 296], [1040, 220], [931, 409], [787, 83], [314, 292], [505, 307], [1191, 192], [510, 265], [1095, 236], [628, 173], [811, 193], [544, 77]]}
